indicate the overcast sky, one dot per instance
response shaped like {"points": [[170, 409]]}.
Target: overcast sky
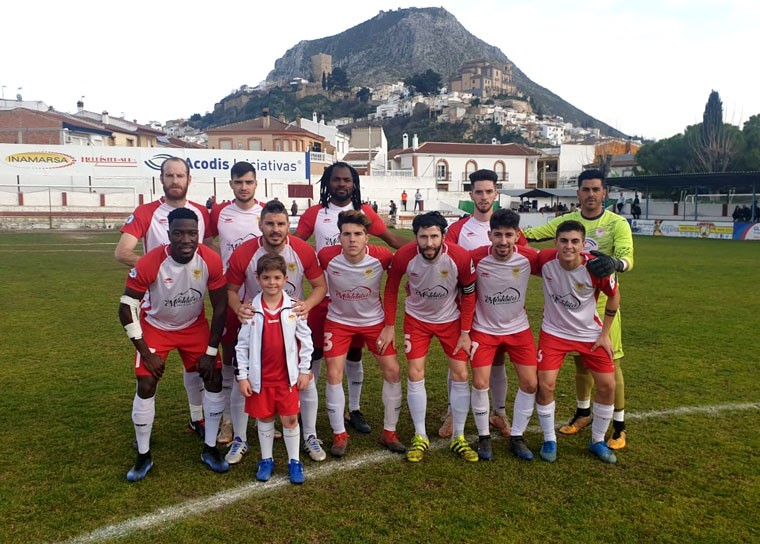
{"points": [[645, 67]]}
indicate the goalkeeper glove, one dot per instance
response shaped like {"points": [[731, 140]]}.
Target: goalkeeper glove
{"points": [[604, 265]]}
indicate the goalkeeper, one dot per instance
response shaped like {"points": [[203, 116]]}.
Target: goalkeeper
{"points": [[608, 236]]}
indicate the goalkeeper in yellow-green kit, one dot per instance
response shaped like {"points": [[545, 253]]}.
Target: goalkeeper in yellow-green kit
{"points": [[608, 236]]}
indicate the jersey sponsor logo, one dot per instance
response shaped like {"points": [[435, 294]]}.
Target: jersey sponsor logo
{"points": [[436, 292], [354, 294], [163, 220], [234, 244], [508, 296], [569, 301], [168, 281], [185, 298], [289, 288], [133, 273], [130, 219], [332, 240]]}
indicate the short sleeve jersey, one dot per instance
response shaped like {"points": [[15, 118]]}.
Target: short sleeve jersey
{"points": [[469, 233], [570, 298], [433, 285], [322, 222], [300, 259], [150, 224], [355, 288], [234, 225], [501, 290], [177, 291], [608, 233]]}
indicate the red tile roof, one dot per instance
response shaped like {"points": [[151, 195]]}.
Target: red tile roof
{"points": [[257, 125]]}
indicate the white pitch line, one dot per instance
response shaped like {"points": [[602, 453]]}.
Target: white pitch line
{"points": [[164, 516]]}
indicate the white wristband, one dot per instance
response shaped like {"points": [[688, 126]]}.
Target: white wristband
{"points": [[212, 351]]}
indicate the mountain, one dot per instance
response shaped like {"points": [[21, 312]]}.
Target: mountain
{"points": [[394, 45]]}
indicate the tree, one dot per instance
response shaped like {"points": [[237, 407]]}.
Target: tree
{"points": [[364, 94], [749, 157], [338, 80], [426, 83], [716, 145], [669, 156]]}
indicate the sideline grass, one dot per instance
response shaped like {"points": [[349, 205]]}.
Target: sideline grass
{"points": [[690, 315]]}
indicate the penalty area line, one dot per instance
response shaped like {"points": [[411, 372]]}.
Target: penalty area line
{"points": [[168, 515]]}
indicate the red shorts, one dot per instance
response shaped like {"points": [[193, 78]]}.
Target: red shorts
{"points": [[418, 334], [191, 343], [276, 399], [316, 321], [552, 351], [231, 328], [340, 337], [520, 346]]}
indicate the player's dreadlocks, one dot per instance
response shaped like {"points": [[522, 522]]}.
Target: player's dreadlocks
{"points": [[324, 185]]}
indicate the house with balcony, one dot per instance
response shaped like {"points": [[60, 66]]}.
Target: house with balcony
{"points": [[452, 163]]}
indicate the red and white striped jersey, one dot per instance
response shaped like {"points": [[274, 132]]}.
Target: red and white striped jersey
{"points": [[469, 233], [300, 259], [150, 224], [501, 290], [177, 291], [234, 225], [355, 288], [570, 298], [433, 286], [323, 223]]}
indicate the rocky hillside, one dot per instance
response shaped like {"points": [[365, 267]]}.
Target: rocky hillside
{"points": [[397, 44]]}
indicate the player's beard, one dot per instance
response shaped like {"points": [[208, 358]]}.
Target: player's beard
{"points": [[426, 251]]}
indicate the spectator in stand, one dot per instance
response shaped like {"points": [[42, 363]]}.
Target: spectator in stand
{"points": [[404, 197], [294, 209], [417, 200], [620, 203], [374, 206], [392, 210]]}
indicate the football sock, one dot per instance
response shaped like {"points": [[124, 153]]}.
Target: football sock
{"points": [[143, 414], [618, 423], [292, 439], [602, 417], [309, 407], [355, 376], [228, 382], [213, 404], [335, 399], [583, 405], [392, 404], [194, 388], [499, 389], [238, 414], [460, 405], [416, 399], [479, 401], [546, 419], [266, 438], [522, 411]]}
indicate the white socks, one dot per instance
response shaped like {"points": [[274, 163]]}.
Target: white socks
{"points": [[266, 438], [143, 414], [309, 407], [522, 411], [499, 388], [479, 401], [213, 403], [355, 374], [416, 399], [391, 404], [228, 382], [194, 388], [460, 405], [546, 419], [601, 421], [292, 440], [336, 403], [238, 415]]}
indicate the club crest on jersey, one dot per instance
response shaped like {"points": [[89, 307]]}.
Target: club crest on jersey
{"points": [[130, 219], [515, 273], [292, 317], [444, 274], [580, 286], [197, 274], [368, 273], [291, 267]]}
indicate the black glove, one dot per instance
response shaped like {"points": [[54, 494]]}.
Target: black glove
{"points": [[604, 265]]}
